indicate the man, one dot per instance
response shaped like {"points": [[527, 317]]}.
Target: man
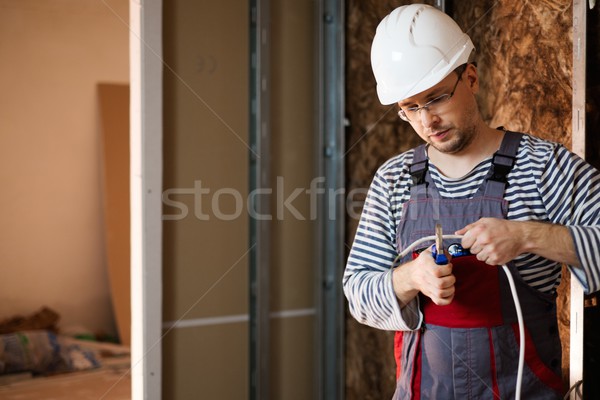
{"points": [[515, 199]]}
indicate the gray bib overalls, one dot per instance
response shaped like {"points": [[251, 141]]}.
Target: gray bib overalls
{"points": [[469, 349]]}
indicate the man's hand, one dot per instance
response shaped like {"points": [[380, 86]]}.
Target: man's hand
{"points": [[498, 241], [494, 241], [424, 275]]}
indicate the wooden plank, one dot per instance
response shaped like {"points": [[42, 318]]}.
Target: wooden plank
{"points": [[114, 111], [111, 383], [578, 145]]}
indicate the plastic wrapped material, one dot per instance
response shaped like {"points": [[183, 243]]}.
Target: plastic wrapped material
{"points": [[42, 352]]}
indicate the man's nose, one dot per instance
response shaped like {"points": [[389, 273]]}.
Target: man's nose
{"points": [[427, 117]]}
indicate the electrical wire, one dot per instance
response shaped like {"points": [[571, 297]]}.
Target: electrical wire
{"points": [[576, 388], [513, 290], [515, 296]]}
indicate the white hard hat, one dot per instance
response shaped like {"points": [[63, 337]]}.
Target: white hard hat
{"points": [[415, 47]]}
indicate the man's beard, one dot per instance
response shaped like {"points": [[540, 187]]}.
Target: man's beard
{"points": [[460, 138], [459, 141]]}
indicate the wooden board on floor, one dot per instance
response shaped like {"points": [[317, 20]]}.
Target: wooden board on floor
{"points": [[105, 383], [114, 112]]}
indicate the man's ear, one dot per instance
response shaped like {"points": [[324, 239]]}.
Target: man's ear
{"points": [[472, 77]]}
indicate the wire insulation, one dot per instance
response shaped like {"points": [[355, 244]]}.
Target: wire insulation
{"points": [[513, 290], [575, 390]]}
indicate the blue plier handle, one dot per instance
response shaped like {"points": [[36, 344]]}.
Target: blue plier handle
{"points": [[437, 250]]}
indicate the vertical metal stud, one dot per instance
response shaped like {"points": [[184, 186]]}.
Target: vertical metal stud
{"points": [[330, 245], [146, 105], [260, 227]]}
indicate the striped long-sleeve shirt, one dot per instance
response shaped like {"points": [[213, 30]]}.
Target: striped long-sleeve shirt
{"points": [[548, 183]]}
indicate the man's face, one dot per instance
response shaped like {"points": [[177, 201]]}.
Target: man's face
{"points": [[449, 125]]}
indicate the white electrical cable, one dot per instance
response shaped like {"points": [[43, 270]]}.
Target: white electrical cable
{"points": [[513, 290], [515, 296]]}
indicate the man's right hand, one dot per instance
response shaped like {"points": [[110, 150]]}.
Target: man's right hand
{"points": [[423, 275]]}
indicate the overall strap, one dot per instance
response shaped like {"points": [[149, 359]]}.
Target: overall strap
{"points": [[502, 163], [418, 171]]}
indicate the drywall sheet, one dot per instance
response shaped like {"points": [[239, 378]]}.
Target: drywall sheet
{"points": [[206, 362], [205, 222], [292, 273], [114, 113]]}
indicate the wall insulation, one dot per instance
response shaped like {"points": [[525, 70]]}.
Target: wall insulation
{"points": [[524, 56]]}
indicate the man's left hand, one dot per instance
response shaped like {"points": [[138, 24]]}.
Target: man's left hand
{"points": [[494, 241], [498, 241]]}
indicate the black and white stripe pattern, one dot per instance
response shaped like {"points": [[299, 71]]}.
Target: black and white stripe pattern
{"points": [[548, 183]]}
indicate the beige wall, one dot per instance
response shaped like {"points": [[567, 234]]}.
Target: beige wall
{"points": [[51, 242]]}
